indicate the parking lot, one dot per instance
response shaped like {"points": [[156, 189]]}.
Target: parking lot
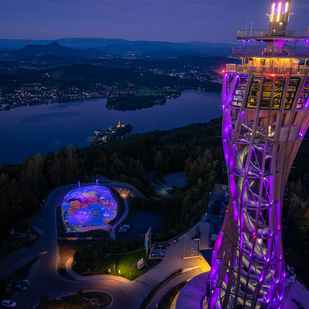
{"points": [[191, 248], [215, 213]]}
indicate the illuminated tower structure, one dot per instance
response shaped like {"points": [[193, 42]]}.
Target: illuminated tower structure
{"points": [[265, 116]]}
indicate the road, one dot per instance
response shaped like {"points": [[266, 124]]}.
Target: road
{"points": [[126, 294]]}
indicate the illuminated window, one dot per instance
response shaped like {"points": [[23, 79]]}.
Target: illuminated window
{"points": [[292, 89]]}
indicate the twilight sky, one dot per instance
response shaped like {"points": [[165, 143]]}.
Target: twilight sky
{"points": [[160, 20]]}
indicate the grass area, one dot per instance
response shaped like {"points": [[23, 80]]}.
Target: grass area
{"points": [[80, 300], [126, 264]]}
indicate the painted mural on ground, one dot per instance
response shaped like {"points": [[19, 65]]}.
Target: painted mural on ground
{"points": [[88, 208]]}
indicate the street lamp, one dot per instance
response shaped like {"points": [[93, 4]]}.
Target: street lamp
{"points": [[114, 269]]}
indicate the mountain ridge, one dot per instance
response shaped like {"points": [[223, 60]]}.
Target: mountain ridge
{"points": [[125, 47]]}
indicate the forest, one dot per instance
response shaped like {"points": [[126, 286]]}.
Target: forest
{"points": [[195, 149]]}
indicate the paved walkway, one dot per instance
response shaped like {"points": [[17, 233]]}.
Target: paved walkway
{"points": [[299, 293]]}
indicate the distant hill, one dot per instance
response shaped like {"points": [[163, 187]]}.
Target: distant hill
{"points": [[129, 48], [54, 49], [138, 49]]}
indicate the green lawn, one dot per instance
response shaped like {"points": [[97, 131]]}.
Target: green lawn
{"points": [[126, 263], [78, 301]]}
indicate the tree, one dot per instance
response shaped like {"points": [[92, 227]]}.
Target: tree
{"points": [[70, 149], [159, 161]]}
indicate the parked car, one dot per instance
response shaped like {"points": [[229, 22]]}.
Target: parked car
{"points": [[25, 282], [8, 303], [20, 287], [122, 230], [161, 253], [125, 226], [158, 253], [159, 246]]}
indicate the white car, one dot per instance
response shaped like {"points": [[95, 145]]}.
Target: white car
{"points": [[8, 303], [24, 282], [122, 230]]}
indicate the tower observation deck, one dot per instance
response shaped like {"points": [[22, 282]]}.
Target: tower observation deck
{"points": [[265, 116]]}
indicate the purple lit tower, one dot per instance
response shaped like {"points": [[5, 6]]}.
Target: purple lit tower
{"points": [[265, 116]]}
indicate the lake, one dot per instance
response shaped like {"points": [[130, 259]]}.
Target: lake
{"points": [[31, 129]]}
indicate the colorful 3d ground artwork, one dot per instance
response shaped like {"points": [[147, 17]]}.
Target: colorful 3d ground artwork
{"points": [[88, 208]]}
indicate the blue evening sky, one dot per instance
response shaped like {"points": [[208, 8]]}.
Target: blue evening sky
{"points": [[160, 20]]}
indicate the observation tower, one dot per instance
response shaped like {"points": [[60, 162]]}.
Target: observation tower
{"points": [[265, 116]]}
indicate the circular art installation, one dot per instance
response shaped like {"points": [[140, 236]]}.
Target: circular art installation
{"points": [[88, 208]]}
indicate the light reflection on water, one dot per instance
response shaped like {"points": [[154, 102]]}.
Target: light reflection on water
{"points": [[32, 129]]}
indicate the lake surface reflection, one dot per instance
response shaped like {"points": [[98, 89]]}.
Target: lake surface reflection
{"points": [[32, 129]]}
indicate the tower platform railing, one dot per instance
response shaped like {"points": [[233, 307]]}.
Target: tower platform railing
{"points": [[264, 34], [254, 52]]}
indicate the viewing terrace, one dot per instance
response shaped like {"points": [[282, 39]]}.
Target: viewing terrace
{"points": [[258, 52], [286, 44], [264, 35]]}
